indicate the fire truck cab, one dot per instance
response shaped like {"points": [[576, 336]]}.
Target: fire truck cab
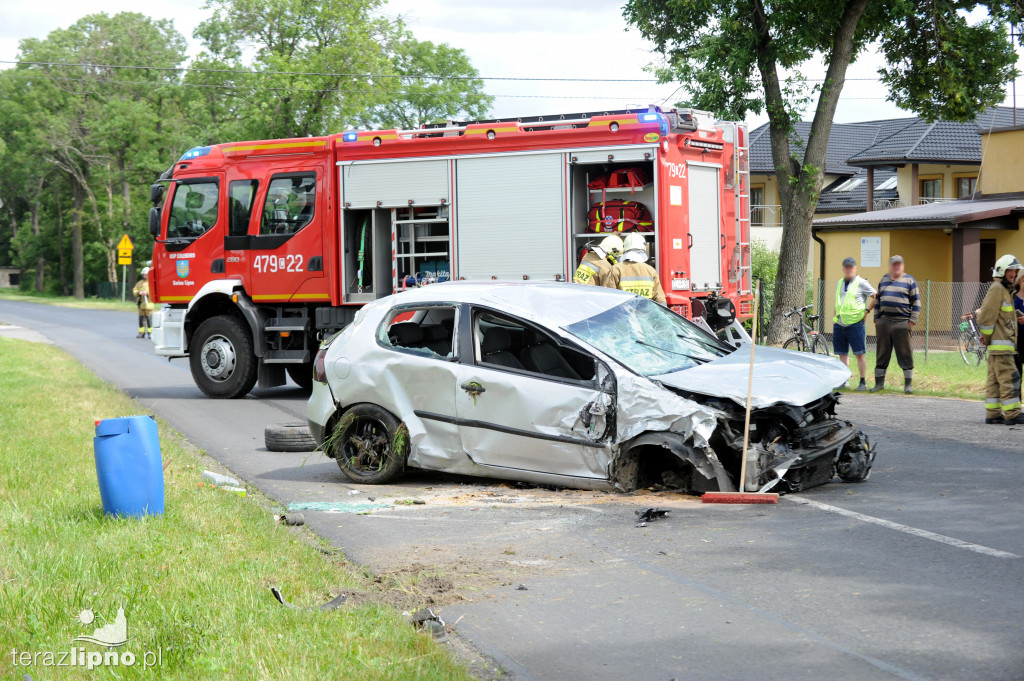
{"points": [[263, 247]]}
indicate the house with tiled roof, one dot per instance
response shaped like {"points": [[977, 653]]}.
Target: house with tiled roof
{"points": [[877, 165]]}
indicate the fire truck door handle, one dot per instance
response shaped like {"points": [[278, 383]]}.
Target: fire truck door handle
{"points": [[690, 237], [723, 241]]}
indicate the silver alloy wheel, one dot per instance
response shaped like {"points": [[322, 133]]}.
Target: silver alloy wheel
{"points": [[218, 358]]}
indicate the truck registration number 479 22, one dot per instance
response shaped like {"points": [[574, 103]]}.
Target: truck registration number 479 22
{"points": [[277, 263]]}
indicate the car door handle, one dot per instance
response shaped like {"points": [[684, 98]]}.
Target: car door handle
{"points": [[473, 388]]}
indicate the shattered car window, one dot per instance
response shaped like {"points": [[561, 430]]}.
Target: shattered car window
{"points": [[647, 338], [427, 331]]}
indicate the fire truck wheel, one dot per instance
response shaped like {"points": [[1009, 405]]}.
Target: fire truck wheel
{"points": [[302, 374], [369, 444], [222, 361]]}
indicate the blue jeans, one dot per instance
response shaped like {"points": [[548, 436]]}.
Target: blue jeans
{"points": [[849, 339]]}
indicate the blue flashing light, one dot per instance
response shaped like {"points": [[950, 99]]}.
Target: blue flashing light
{"points": [[649, 117], [350, 137], [195, 152]]}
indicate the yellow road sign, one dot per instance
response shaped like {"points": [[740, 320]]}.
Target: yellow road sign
{"points": [[125, 244], [124, 259]]}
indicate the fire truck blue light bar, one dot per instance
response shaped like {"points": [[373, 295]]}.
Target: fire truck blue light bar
{"points": [[350, 137], [195, 152]]}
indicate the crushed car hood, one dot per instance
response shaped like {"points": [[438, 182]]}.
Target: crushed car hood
{"points": [[780, 377]]}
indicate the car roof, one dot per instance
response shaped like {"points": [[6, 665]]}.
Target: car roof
{"points": [[555, 304]]}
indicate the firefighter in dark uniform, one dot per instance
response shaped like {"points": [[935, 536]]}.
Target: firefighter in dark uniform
{"points": [[633, 274], [997, 320], [598, 261]]}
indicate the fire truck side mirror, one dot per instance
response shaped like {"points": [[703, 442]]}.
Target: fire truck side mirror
{"points": [[154, 221], [156, 193]]}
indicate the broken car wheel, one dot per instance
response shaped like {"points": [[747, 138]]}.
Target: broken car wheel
{"points": [[369, 444], [289, 437]]}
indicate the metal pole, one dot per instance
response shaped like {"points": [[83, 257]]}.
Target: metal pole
{"points": [[124, 279], [927, 314]]}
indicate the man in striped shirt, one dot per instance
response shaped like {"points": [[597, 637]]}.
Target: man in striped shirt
{"points": [[895, 316]]}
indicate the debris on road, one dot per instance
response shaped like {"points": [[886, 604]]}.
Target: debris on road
{"points": [[329, 605], [292, 519], [650, 514], [218, 480], [427, 620], [336, 506], [522, 587]]}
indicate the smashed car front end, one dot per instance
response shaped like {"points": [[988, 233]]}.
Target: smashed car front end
{"points": [[792, 448]]}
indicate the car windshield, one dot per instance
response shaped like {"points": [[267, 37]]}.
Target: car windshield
{"points": [[648, 338]]}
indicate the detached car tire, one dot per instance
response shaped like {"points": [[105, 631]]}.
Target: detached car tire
{"points": [[289, 437], [222, 359], [369, 444]]}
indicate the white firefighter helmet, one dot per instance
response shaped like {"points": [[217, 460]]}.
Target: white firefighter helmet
{"points": [[145, 271], [1007, 262], [634, 247], [609, 246]]}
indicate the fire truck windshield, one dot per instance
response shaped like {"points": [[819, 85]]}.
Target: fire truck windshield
{"points": [[194, 210]]}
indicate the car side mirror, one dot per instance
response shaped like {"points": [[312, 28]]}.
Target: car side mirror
{"points": [[154, 221], [156, 192]]}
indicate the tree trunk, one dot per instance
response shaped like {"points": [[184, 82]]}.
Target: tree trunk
{"points": [[77, 256], [34, 208], [60, 238], [800, 183]]}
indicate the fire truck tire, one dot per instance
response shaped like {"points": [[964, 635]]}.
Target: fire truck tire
{"points": [[221, 358], [302, 374]]}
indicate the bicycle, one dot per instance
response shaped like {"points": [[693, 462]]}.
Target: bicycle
{"points": [[969, 342], [805, 338]]}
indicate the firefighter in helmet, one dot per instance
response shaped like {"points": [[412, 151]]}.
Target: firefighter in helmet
{"points": [[633, 274], [145, 305], [997, 320], [598, 261]]}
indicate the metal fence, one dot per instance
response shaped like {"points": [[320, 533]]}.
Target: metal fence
{"points": [[943, 303]]}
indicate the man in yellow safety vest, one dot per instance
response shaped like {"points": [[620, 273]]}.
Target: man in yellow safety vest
{"points": [[598, 261], [633, 274], [997, 320], [854, 299]]}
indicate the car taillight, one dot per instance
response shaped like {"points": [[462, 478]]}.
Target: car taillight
{"points": [[319, 368]]}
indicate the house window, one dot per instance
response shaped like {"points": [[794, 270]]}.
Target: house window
{"points": [[931, 189], [965, 186], [757, 206]]}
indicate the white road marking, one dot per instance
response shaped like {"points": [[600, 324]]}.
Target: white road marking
{"points": [[917, 532]]}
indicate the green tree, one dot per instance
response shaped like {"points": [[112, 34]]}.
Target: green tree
{"points": [[313, 64], [746, 56], [435, 83], [79, 115]]}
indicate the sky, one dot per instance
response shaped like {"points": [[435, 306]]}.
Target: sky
{"points": [[520, 39]]}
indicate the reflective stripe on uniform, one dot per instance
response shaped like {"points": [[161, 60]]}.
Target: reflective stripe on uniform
{"points": [[997, 342], [1007, 308], [987, 330], [992, 403], [585, 272], [642, 286], [1011, 404]]}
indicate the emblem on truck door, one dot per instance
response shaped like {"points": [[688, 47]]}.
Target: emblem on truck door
{"points": [[181, 266]]}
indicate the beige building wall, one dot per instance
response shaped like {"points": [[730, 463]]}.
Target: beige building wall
{"points": [[1002, 162]]}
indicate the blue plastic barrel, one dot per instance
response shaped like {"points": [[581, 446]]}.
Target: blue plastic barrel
{"points": [[129, 467]]}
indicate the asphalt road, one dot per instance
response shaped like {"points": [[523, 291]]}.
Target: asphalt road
{"points": [[916, 574]]}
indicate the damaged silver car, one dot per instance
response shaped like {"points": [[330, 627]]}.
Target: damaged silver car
{"points": [[575, 386]]}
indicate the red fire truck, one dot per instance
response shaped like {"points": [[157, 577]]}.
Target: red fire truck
{"points": [[263, 247]]}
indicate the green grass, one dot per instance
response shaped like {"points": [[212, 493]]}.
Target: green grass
{"points": [[68, 301], [944, 374], [193, 583]]}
